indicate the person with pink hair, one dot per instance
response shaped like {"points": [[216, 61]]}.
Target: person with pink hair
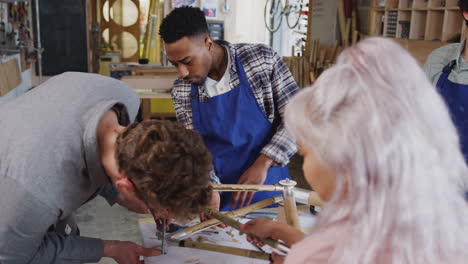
{"points": [[379, 147]]}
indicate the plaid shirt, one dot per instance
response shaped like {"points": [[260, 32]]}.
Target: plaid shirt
{"points": [[272, 85]]}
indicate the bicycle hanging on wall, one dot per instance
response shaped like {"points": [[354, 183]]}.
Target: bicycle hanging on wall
{"points": [[276, 9]]}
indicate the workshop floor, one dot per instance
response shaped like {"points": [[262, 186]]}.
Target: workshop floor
{"points": [[98, 219]]}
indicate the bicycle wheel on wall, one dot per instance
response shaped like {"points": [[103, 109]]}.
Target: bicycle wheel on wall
{"points": [[273, 14], [293, 13]]}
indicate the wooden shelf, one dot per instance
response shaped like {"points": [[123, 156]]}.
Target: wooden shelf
{"points": [[418, 24], [452, 24], [420, 3], [403, 4], [434, 25], [403, 24], [417, 19], [436, 3], [451, 3]]}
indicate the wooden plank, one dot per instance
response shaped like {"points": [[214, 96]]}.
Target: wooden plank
{"points": [[452, 23], [161, 83], [420, 49], [348, 28], [341, 17], [309, 30], [434, 22], [10, 76]]}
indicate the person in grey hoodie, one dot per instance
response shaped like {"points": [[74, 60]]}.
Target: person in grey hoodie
{"points": [[66, 141]]}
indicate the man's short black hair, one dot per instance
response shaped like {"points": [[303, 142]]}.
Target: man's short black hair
{"points": [[182, 22], [463, 4]]}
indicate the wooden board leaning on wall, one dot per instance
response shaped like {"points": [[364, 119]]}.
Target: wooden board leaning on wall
{"points": [[323, 57]]}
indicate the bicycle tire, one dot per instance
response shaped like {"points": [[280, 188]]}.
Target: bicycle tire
{"points": [[272, 10], [295, 8]]}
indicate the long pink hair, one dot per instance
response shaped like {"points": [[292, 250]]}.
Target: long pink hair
{"points": [[375, 119]]}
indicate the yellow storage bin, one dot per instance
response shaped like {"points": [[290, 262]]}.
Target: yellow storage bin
{"points": [[161, 105]]}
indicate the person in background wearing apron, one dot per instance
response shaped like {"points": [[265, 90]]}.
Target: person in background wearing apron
{"points": [[447, 69], [234, 95]]}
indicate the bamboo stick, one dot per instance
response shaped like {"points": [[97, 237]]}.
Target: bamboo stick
{"points": [[224, 249], [245, 187], [304, 196], [333, 53], [234, 224], [355, 37], [212, 222], [301, 195], [342, 20], [290, 211], [309, 30], [305, 66], [347, 30], [314, 199]]}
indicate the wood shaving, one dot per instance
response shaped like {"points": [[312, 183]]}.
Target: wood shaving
{"points": [[193, 261], [229, 233]]}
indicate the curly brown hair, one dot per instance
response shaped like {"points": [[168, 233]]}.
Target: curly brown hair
{"points": [[168, 164]]}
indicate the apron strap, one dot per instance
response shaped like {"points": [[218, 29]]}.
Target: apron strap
{"points": [[194, 91], [445, 73], [449, 67]]}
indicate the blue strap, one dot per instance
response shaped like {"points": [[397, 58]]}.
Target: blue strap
{"points": [[444, 76]]}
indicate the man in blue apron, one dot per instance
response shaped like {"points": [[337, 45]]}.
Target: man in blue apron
{"points": [[234, 95], [447, 69]]}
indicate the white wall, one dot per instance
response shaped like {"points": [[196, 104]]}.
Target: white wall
{"points": [[244, 23]]}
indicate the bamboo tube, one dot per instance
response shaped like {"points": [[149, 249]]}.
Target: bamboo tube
{"points": [[212, 222], [234, 224], [316, 52], [301, 195], [290, 211], [307, 197], [312, 75], [224, 249], [314, 199], [347, 31], [305, 68], [342, 22], [245, 188], [333, 53], [355, 36]]}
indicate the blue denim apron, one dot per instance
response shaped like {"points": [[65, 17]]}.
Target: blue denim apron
{"points": [[456, 98], [235, 130]]}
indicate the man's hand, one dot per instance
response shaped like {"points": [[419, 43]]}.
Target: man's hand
{"points": [[132, 203], [125, 252], [215, 203], [256, 174]]}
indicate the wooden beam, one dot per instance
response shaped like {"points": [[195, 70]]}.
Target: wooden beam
{"points": [[308, 47]]}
